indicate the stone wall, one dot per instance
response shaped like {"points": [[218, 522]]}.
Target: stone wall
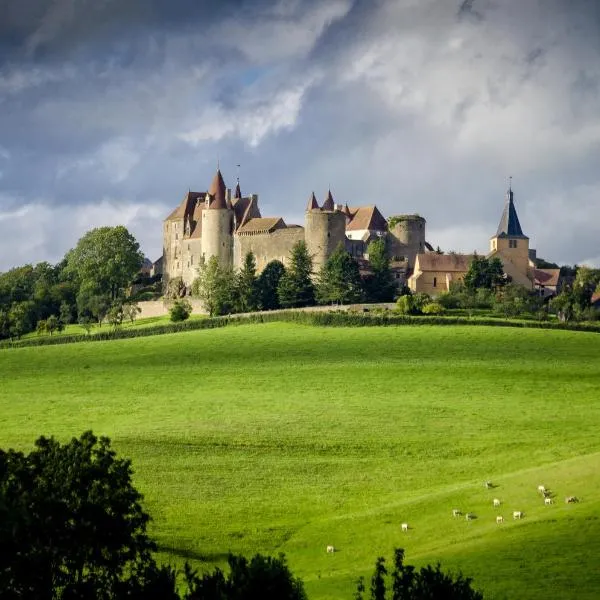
{"points": [[159, 308], [267, 246]]}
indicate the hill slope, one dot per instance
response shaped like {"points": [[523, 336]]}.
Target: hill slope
{"points": [[288, 438]]}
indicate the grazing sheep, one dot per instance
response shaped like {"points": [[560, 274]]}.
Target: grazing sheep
{"points": [[488, 485], [499, 519], [547, 494], [469, 516], [541, 489], [518, 514], [330, 549], [496, 502], [456, 512], [547, 501], [571, 499], [404, 526]]}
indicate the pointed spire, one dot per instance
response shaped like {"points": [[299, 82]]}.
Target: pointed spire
{"points": [[238, 191], [312, 202], [509, 222], [217, 192], [329, 204], [346, 211]]}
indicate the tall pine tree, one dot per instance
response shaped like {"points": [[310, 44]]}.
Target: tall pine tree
{"points": [[246, 292], [339, 280], [379, 286], [268, 282], [295, 287]]}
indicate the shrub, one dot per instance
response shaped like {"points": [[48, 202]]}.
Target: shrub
{"points": [[405, 305], [433, 308], [180, 311]]}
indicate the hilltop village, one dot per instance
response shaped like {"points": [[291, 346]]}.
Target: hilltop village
{"points": [[229, 225]]}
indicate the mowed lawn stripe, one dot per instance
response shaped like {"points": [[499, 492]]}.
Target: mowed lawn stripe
{"points": [[281, 437]]}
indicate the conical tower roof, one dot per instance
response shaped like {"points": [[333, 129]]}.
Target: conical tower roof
{"points": [[329, 204], [217, 192], [509, 222], [238, 191], [312, 202]]}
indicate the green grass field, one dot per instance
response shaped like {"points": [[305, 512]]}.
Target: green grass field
{"points": [[281, 437]]}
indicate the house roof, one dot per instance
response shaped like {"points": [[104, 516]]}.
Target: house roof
{"points": [[595, 298], [262, 225], [444, 262], [329, 204], [217, 192], [509, 225], [546, 277], [186, 206], [366, 217]]}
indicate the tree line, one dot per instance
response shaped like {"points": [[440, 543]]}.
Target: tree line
{"points": [[224, 290], [72, 527], [88, 285]]}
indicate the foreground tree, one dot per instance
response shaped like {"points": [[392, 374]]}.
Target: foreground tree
{"points": [[379, 286], [246, 286], [261, 577], [339, 279], [106, 259], [268, 282], [72, 526], [215, 286], [296, 288], [485, 273], [408, 583]]}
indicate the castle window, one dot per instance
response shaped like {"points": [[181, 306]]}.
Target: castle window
{"points": [[435, 282], [512, 243]]}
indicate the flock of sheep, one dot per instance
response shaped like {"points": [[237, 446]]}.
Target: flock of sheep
{"points": [[496, 502]]}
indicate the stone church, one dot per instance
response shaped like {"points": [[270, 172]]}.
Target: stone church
{"points": [[229, 225]]}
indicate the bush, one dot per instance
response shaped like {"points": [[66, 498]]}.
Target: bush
{"points": [[433, 308], [405, 305], [180, 311]]}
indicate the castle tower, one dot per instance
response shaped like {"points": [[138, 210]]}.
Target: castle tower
{"points": [[408, 237], [511, 244], [217, 224], [325, 229]]}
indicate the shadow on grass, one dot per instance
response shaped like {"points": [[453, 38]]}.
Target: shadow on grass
{"points": [[188, 554]]}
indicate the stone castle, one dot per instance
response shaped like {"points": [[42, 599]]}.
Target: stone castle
{"points": [[228, 226]]}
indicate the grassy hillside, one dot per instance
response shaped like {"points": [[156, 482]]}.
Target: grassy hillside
{"points": [[282, 437]]}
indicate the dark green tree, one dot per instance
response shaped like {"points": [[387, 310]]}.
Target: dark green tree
{"points": [[268, 282], [66, 313], [427, 583], [215, 286], [260, 578], [339, 279], [22, 318], [485, 273], [296, 288], [53, 324], [180, 311], [72, 526], [246, 286], [106, 259], [379, 286]]}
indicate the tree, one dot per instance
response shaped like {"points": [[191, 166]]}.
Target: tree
{"points": [[408, 583], [295, 287], [485, 273], [115, 315], [215, 287], [339, 279], [41, 327], [246, 286], [53, 324], [131, 310], [92, 304], [71, 524], [261, 577], [267, 283], [86, 323], [379, 286], [22, 318], [180, 311], [106, 259], [66, 313]]}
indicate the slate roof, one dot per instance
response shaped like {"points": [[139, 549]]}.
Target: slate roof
{"points": [[444, 262], [329, 204], [312, 202], [546, 277], [187, 205], [509, 222], [366, 217], [262, 225], [217, 192]]}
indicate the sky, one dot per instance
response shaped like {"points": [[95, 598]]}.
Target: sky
{"points": [[110, 110]]}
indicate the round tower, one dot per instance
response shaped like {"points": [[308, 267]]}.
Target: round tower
{"points": [[217, 224], [409, 231], [325, 229]]}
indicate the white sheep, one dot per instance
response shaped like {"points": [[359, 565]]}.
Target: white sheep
{"points": [[517, 514], [547, 501], [456, 512], [571, 499], [469, 516], [330, 549], [541, 489], [499, 519], [496, 502], [488, 485], [404, 526]]}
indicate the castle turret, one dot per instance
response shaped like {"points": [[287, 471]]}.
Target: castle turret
{"points": [[329, 204], [511, 244], [407, 237], [325, 229], [217, 224]]}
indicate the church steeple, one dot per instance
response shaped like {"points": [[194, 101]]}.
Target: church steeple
{"points": [[509, 225]]}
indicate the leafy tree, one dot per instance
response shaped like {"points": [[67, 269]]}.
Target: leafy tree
{"points": [[180, 311], [66, 313], [295, 287], [41, 327], [268, 282], [115, 315], [261, 577], [131, 311], [514, 300], [405, 305], [53, 324], [339, 280], [92, 304], [215, 287], [107, 259], [485, 273], [22, 318], [246, 286], [86, 323], [72, 526], [427, 583], [379, 286], [4, 324]]}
